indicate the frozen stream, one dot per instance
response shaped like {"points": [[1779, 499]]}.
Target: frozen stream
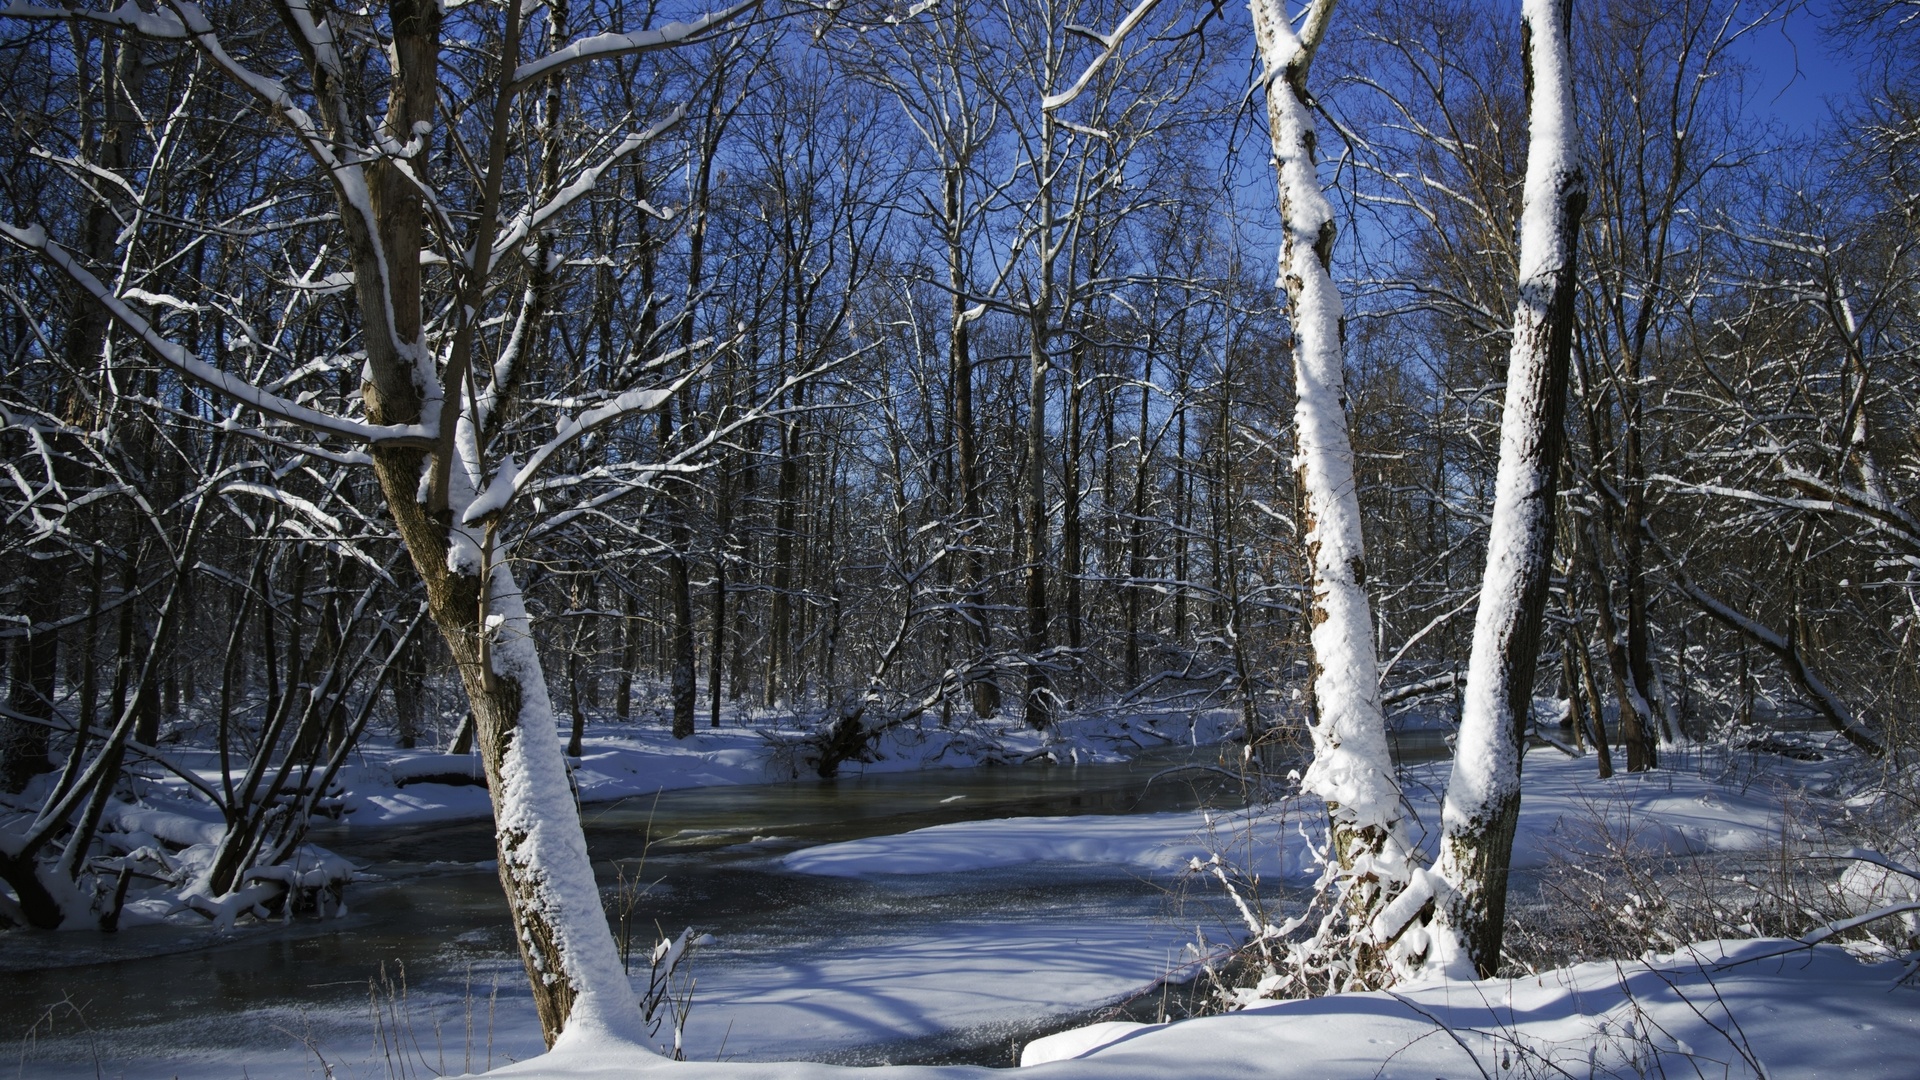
{"points": [[958, 966]]}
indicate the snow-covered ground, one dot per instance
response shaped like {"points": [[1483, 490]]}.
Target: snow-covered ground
{"points": [[1566, 810], [1765, 1008], [979, 964], [1719, 1009]]}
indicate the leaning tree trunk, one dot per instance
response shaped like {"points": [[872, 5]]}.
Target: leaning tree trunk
{"points": [[569, 953], [1483, 795], [1351, 768], [571, 961], [429, 470]]}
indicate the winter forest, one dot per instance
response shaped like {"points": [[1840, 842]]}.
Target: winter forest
{"points": [[1120, 537]]}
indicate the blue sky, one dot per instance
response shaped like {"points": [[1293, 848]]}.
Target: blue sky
{"points": [[1797, 71]]}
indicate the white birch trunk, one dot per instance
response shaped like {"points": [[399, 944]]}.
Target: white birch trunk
{"points": [[1351, 768], [1483, 794]]}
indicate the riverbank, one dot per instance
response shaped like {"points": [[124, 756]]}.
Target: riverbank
{"points": [[1759, 1008], [385, 785], [1740, 1008], [949, 914]]}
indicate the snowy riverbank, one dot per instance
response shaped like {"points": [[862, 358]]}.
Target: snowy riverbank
{"points": [[1721, 1009], [387, 786], [1737, 1008], [937, 937], [1566, 810]]}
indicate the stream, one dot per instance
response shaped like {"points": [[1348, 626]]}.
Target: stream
{"points": [[420, 976], [922, 968]]}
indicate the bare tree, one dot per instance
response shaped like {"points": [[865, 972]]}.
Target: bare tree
{"points": [[431, 409], [1351, 769], [1483, 794]]}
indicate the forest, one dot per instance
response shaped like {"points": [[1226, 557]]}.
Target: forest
{"points": [[533, 404]]}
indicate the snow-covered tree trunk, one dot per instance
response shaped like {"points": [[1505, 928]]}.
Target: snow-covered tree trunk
{"points": [[559, 925], [1351, 768], [1483, 795]]}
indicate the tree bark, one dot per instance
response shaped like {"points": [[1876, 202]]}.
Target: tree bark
{"points": [[983, 690], [1351, 768], [1483, 795], [569, 954], [1039, 694], [34, 667]]}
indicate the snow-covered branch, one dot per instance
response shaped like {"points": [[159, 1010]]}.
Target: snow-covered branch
{"points": [[611, 45], [128, 16], [1109, 45], [34, 238], [511, 479]]}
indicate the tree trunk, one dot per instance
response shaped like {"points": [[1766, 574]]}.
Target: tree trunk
{"points": [[984, 691], [780, 601], [629, 653], [1636, 725], [409, 697], [680, 686], [1483, 794], [717, 640], [1588, 686], [1071, 559], [34, 667], [1137, 534], [1351, 768], [559, 926], [569, 954], [1038, 694]]}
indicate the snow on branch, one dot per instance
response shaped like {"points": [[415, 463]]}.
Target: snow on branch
{"points": [[34, 238], [1109, 45], [284, 498], [1867, 855], [127, 16], [345, 172], [511, 479], [686, 458], [532, 221], [608, 46]]}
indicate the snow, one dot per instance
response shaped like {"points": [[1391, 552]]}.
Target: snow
{"points": [[1077, 1042], [1486, 778], [1109, 45], [985, 970], [607, 46], [533, 219], [1566, 811], [1164, 843], [150, 24], [1351, 768], [1736, 1009], [1520, 539], [190, 365], [967, 975], [548, 858]]}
